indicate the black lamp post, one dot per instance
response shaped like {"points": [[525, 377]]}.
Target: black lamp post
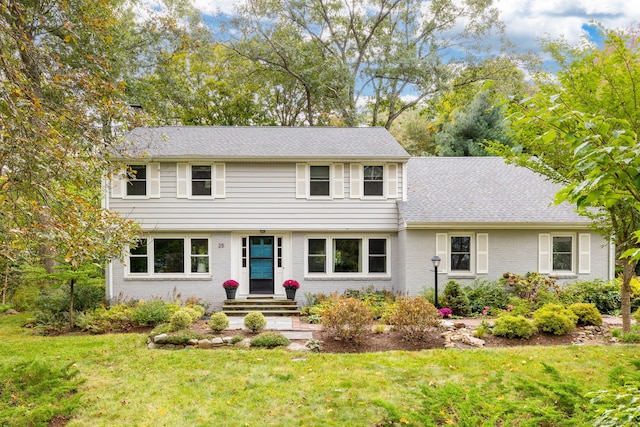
{"points": [[436, 262]]}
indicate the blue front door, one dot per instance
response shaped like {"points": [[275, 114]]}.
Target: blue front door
{"points": [[261, 265]]}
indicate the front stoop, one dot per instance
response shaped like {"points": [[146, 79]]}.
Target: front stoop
{"points": [[266, 306]]}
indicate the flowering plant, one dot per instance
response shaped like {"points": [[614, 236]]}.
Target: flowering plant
{"points": [[445, 312], [291, 284], [230, 284]]}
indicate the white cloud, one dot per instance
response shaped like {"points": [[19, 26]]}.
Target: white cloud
{"points": [[211, 7]]}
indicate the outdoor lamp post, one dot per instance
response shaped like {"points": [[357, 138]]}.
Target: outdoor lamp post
{"points": [[436, 262]]}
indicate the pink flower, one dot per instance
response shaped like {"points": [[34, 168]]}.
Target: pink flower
{"points": [[230, 284], [445, 312], [292, 284]]}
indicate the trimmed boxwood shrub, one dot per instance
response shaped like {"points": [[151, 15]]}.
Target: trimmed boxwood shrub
{"points": [[587, 314], [509, 326], [270, 339], [181, 319], [255, 321], [219, 322], [555, 319]]}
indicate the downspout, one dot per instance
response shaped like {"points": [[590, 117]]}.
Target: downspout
{"points": [[109, 267]]}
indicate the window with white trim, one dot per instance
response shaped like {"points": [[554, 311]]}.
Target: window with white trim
{"points": [[319, 181], [137, 183], [347, 255], [200, 180], [373, 181], [463, 253], [157, 256], [562, 253]]}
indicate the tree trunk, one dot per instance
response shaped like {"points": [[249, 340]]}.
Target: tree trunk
{"points": [[625, 295], [71, 286]]}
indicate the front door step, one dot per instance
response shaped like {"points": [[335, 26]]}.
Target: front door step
{"points": [[266, 306]]}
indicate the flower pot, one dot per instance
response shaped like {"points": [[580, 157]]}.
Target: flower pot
{"points": [[231, 292], [291, 293]]}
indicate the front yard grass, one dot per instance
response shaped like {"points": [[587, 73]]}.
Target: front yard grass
{"points": [[124, 383]]}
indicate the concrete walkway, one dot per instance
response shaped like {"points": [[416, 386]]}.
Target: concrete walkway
{"points": [[290, 327]]}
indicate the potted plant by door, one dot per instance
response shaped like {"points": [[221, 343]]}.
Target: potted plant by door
{"points": [[231, 287], [290, 287]]}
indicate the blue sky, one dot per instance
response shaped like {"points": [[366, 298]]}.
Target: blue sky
{"points": [[529, 20]]}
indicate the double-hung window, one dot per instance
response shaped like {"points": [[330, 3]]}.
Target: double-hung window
{"points": [[137, 184], [347, 255], [319, 181], [201, 180], [157, 256], [463, 254], [562, 253], [373, 180], [460, 253]]}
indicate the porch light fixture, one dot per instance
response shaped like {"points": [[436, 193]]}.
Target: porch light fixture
{"points": [[436, 262]]}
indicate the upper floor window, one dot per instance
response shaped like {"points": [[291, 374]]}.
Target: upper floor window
{"points": [[373, 180], [137, 185], [200, 180], [319, 181]]}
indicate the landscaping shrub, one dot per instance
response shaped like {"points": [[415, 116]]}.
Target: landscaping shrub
{"points": [[255, 321], [636, 316], [415, 317], [605, 295], [376, 300], [347, 319], [486, 293], [270, 339], [456, 299], [195, 314], [510, 326], [181, 319], [151, 313], [219, 322], [535, 287], [555, 319], [587, 314]]}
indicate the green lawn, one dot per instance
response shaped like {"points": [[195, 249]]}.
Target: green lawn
{"points": [[126, 384]]}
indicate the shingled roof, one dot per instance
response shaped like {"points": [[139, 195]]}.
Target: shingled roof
{"points": [[266, 143], [481, 190]]}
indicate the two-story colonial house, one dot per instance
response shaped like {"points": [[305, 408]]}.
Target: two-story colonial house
{"points": [[333, 208]]}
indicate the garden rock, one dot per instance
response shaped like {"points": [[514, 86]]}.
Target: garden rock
{"points": [[296, 346], [205, 344], [159, 339]]}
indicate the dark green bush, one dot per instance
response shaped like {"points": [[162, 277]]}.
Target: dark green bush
{"points": [[415, 318], [587, 314], [555, 319], [347, 318], [487, 293], [270, 339], [456, 299], [509, 326], [605, 295], [219, 322], [255, 321], [151, 313]]}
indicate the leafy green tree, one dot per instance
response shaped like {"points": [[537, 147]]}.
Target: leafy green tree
{"points": [[58, 104], [343, 53], [581, 129]]}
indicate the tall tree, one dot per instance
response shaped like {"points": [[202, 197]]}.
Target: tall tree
{"points": [[471, 127], [57, 99], [344, 53], [581, 129]]}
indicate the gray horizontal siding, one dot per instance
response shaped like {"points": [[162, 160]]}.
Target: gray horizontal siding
{"points": [[258, 196]]}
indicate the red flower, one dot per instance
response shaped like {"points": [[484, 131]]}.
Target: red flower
{"points": [[292, 284], [230, 284]]}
